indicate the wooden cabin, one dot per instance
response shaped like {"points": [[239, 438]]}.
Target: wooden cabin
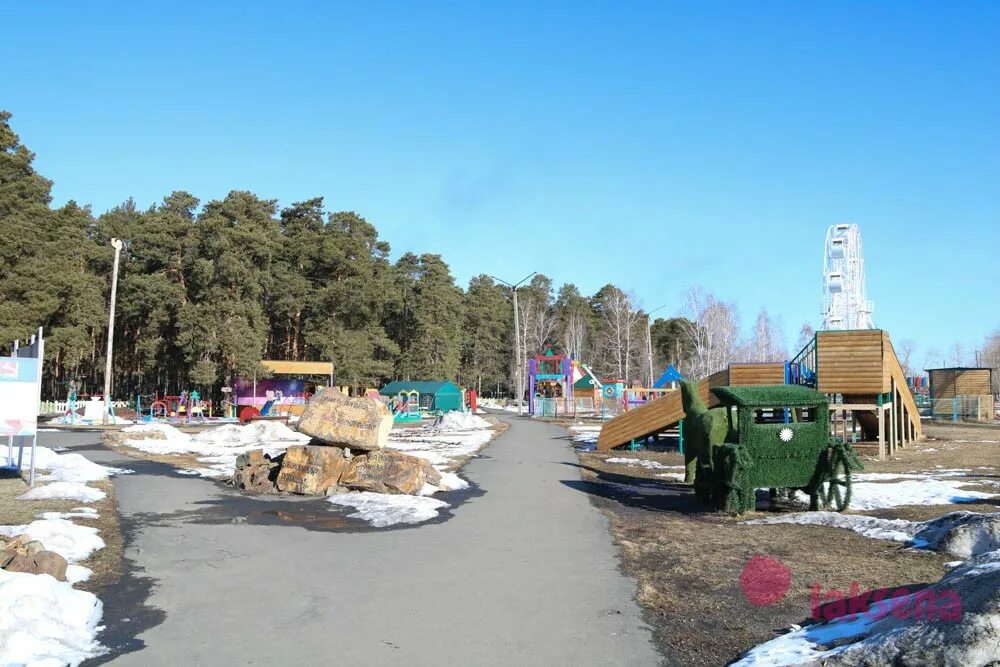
{"points": [[962, 393]]}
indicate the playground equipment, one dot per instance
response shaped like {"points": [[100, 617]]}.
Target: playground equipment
{"points": [[436, 397], [405, 407], [778, 437], [283, 395], [858, 368], [845, 299], [550, 376]]}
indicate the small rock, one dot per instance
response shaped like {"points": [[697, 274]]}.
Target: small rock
{"points": [[43, 562], [34, 547]]}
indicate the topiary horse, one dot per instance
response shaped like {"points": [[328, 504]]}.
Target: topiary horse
{"points": [[704, 430]]}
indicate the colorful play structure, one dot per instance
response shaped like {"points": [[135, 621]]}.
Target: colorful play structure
{"points": [[411, 400], [871, 405], [284, 394]]}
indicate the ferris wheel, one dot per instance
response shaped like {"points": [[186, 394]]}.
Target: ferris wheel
{"points": [[845, 300]]}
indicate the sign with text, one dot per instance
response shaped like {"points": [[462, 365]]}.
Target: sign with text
{"points": [[18, 396]]}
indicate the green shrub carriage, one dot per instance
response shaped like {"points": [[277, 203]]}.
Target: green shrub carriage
{"points": [[778, 437]]}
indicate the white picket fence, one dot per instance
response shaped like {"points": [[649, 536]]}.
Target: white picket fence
{"points": [[60, 407]]}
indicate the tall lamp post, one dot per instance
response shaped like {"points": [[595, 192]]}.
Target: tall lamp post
{"points": [[649, 341], [117, 245], [517, 339]]}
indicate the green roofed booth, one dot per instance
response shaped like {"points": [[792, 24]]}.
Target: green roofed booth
{"points": [[435, 396]]}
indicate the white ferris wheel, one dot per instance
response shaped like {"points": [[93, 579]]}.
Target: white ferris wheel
{"points": [[845, 300]]}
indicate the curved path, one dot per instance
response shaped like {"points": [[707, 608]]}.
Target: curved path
{"points": [[524, 574]]}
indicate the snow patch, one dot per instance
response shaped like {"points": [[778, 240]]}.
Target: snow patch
{"points": [[46, 622], [461, 421], [874, 495], [69, 540], [896, 530], [651, 465], [64, 491], [381, 510]]}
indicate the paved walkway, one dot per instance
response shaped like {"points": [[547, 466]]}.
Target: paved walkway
{"points": [[524, 574]]}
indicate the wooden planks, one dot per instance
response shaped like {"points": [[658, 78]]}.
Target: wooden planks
{"points": [[851, 362], [942, 382], [653, 417], [743, 375], [973, 382]]}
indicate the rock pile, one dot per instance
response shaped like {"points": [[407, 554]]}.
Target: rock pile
{"points": [[256, 472], [339, 426], [26, 555]]}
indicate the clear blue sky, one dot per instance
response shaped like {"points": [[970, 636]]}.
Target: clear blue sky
{"points": [[656, 146]]}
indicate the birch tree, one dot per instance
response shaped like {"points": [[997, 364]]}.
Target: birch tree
{"points": [[713, 331]]}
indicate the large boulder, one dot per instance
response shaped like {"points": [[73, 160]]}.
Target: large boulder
{"points": [[311, 470], [962, 534], [389, 471], [953, 622], [358, 423]]}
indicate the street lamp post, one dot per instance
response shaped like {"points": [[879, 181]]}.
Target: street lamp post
{"points": [[517, 339], [117, 245], [649, 341]]}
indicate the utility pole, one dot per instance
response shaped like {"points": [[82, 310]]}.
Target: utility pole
{"points": [[649, 342], [519, 375], [117, 245]]}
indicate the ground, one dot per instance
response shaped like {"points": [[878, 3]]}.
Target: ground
{"points": [[520, 569], [106, 563], [688, 561]]}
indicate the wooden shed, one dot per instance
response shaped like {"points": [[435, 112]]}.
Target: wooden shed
{"points": [[961, 393]]}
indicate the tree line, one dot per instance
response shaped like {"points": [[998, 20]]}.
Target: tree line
{"points": [[208, 290]]}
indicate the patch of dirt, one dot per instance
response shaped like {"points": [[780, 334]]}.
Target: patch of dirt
{"points": [[183, 461], [687, 561]]}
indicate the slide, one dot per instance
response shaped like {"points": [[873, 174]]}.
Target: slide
{"points": [[653, 417]]}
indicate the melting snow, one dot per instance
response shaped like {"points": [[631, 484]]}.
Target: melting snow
{"points": [[652, 465], [64, 491], [218, 447], [71, 541], [46, 622], [381, 510], [874, 495]]}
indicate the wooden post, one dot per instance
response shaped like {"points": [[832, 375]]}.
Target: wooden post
{"points": [[881, 432]]}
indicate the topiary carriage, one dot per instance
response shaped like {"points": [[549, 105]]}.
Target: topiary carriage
{"points": [[777, 437]]}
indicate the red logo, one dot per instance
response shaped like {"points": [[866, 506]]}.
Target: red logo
{"points": [[765, 581]]}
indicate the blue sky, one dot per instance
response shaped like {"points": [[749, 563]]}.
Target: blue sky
{"points": [[653, 145]]}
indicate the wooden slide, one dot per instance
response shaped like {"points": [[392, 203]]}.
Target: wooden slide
{"points": [[649, 419]]}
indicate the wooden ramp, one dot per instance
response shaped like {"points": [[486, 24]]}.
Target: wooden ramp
{"points": [[652, 418], [646, 420], [665, 413]]}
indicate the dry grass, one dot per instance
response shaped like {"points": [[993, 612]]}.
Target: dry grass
{"points": [[107, 562], [687, 562]]}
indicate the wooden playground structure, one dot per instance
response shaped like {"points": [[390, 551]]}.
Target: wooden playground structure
{"points": [[871, 404]]}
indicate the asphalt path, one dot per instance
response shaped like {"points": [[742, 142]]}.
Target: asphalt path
{"points": [[522, 571]]}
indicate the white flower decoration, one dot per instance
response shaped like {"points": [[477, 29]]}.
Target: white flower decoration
{"points": [[786, 434]]}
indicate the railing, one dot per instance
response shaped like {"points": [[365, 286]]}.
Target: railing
{"points": [[802, 369]]}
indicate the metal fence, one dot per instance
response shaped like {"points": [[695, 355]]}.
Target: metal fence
{"points": [[965, 408]]}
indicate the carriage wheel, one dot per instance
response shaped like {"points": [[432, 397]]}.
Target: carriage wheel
{"points": [[836, 488]]}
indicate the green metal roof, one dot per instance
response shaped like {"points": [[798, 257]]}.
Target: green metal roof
{"points": [[423, 386], [770, 396]]}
